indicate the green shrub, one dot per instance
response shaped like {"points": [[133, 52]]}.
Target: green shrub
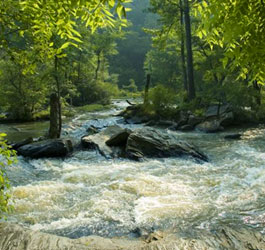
{"points": [[93, 107], [131, 87], [161, 98], [6, 159]]}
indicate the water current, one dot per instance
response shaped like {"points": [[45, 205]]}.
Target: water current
{"points": [[87, 194]]}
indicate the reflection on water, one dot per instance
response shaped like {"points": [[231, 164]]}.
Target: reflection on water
{"points": [[20, 131], [86, 194]]}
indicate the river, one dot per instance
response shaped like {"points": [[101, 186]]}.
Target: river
{"points": [[86, 194]]}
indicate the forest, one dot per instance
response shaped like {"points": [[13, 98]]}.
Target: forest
{"points": [[164, 70]]}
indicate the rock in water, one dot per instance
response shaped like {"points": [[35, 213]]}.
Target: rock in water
{"points": [[120, 139], [210, 126], [155, 143], [112, 136], [17, 145], [92, 130], [233, 136], [47, 148]]}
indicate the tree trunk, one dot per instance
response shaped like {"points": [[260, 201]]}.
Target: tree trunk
{"points": [[54, 131], [98, 66], [191, 87], [55, 107], [183, 59], [257, 94], [147, 85]]}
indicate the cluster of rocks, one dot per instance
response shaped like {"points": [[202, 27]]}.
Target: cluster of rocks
{"points": [[115, 141], [215, 119]]}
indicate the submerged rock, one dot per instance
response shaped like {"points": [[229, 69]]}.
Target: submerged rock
{"points": [[92, 130], [233, 136], [166, 124], [111, 136], [47, 148], [154, 143], [186, 128]]}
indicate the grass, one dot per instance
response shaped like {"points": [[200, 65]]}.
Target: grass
{"points": [[67, 111], [92, 108]]}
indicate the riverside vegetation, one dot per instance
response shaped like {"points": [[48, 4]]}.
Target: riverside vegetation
{"points": [[193, 63]]}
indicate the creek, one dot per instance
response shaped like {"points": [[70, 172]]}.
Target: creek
{"points": [[85, 194]]}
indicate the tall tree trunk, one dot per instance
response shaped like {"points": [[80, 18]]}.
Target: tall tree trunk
{"points": [[79, 67], [183, 59], [54, 117], [257, 96], [147, 85], [98, 65], [191, 87], [55, 106]]}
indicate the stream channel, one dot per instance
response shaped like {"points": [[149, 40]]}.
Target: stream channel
{"points": [[86, 194]]}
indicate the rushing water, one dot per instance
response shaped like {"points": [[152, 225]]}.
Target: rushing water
{"points": [[86, 194]]}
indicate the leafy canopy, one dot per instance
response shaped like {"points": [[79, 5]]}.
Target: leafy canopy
{"points": [[239, 27], [42, 19]]}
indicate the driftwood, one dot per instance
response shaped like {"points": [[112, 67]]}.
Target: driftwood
{"points": [[132, 104]]}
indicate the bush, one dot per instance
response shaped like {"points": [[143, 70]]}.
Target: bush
{"points": [[6, 159], [93, 107], [131, 87], [161, 98], [21, 95], [96, 92]]}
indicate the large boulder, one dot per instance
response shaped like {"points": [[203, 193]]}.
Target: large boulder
{"points": [[47, 148], [108, 142], [210, 126], [154, 143], [194, 120], [217, 110], [227, 119], [119, 139], [183, 118]]}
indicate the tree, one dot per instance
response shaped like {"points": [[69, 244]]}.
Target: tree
{"points": [[174, 17], [238, 26], [182, 38], [190, 73], [45, 19]]}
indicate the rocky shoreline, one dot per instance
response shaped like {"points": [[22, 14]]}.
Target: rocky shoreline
{"points": [[115, 142], [15, 237], [216, 118], [149, 141]]}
